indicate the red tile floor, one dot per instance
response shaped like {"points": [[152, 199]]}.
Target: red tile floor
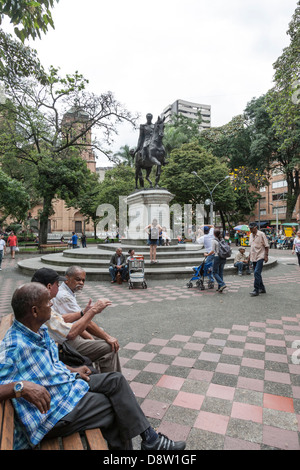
{"points": [[225, 389]]}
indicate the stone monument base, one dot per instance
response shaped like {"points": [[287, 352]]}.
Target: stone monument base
{"points": [[144, 205]]}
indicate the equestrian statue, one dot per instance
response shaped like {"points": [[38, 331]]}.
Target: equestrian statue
{"points": [[150, 151]]}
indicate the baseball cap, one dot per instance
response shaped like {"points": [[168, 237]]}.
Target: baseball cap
{"points": [[253, 224], [47, 276]]}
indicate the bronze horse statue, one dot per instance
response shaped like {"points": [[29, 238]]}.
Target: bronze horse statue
{"points": [[153, 154]]}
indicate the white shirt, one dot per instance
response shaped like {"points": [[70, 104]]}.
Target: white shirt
{"points": [[65, 300], [58, 329], [207, 240], [2, 244], [296, 244]]}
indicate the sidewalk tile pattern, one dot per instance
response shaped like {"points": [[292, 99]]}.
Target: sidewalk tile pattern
{"points": [[235, 388]]}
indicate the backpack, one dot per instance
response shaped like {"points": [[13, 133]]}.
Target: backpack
{"points": [[224, 249]]}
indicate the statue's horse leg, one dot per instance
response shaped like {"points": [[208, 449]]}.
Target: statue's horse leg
{"points": [[138, 171], [148, 171], [157, 176], [138, 176]]}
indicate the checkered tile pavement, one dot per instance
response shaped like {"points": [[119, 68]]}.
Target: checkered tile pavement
{"points": [[234, 388]]}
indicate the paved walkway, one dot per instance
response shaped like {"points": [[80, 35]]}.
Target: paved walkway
{"points": [[220, 371]]}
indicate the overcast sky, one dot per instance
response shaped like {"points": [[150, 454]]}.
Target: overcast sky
{"points": [[149, 54]]}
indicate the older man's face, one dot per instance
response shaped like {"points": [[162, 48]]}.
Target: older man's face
{"points": [[76, 282]]}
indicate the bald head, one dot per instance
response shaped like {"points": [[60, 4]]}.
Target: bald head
{"points": [[26, 297]]}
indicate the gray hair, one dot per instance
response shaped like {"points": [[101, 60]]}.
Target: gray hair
{"points": [[72, 270]]}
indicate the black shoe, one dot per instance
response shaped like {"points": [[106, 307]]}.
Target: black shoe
{"points": [[163, 443], [254, 293], [262, 291], [222, 288]]}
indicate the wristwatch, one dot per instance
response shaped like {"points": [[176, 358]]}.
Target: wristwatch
{"points": [[18, 388]]}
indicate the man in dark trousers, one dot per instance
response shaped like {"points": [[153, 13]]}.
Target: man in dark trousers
{"points": [[259, 252], [117, 264]]}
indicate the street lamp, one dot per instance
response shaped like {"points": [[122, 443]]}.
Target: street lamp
{"points": [[210, 201], [277, 207]]}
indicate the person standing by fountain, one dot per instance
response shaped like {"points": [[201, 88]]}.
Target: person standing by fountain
{"points": [[153, 236]]}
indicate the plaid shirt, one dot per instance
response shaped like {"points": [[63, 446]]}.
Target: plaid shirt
{"points": [[25, 355]]}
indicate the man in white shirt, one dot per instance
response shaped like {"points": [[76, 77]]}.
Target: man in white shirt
{"points": [[2, 249], [96, 344], [207, 242], [258, 255]]}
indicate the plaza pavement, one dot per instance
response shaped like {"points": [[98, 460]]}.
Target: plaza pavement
{"points": [[220, 371]]}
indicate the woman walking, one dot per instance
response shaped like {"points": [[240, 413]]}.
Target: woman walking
{"points": [[12, 242], [218, 262]]}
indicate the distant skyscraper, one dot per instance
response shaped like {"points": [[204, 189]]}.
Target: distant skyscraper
{"points": [[190, 110]]}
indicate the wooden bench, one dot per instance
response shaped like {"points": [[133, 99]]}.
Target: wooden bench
{"points": [[91, 439], [53, 246]]}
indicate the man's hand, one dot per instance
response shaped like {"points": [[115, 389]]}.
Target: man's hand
{"points": [[37, 395], [101, 304], [88, 306], [83, 371], [113, 342]]}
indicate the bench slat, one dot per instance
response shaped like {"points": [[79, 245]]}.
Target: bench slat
{"points": [[72, 442], [7, 435], [95, 439], [50, 444], [5, 324]]}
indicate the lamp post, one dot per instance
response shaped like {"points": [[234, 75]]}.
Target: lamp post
{"points": [[276, 206], [211, 201]]}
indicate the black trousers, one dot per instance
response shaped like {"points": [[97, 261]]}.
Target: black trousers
{"points": [[110, 405]]}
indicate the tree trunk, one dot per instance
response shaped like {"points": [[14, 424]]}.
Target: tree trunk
{"points": [[44, 217], [293, 193], [223, 220]]}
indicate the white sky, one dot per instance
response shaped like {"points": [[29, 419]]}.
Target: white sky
{"points": [[149, 54]]}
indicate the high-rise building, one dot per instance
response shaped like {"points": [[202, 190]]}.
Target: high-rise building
{"points": [[190, 110]]}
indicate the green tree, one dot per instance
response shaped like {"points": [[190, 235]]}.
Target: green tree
{"points": [[14, 200], [125, 155], [187, 188], [181, 130], [46, 123], [30, 17], [282, 104]]}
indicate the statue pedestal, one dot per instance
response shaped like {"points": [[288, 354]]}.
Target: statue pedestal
{"points": [[143, 206]]}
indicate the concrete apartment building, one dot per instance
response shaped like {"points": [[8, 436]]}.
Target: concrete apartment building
{"points": [[190, 110]]}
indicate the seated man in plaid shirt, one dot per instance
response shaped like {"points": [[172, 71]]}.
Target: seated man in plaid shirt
{"points": [[77, 402]]}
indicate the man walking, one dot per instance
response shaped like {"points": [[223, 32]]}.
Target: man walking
{"points": [[258, 255]]}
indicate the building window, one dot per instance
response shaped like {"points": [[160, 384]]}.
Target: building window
{"points": [[279, 210], [263, 189], [279, 184], [279, 196], [263, 212]]}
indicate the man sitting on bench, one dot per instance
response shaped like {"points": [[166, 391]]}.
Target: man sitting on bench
{"points": [[103, 401]]}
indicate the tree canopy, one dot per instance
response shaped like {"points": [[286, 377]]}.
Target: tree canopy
{"points": [[29, 17]]}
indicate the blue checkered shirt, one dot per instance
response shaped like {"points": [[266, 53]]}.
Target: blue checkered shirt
{"points": [[25, 355]]}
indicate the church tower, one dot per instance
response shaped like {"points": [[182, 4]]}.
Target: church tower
{"points": [[75, 120]]}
